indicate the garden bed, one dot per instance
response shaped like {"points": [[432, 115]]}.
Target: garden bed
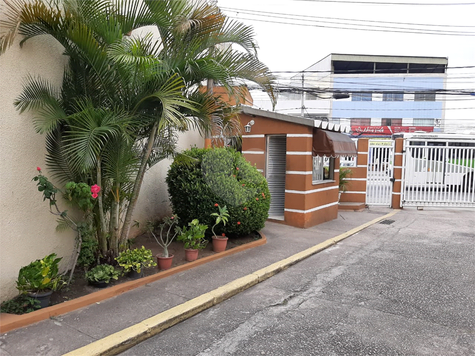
{"points": [[79, 286]]}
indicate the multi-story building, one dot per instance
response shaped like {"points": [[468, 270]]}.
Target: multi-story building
{"points": [[374, 95]]}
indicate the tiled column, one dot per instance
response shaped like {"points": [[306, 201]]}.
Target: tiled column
{"points": [[398, 160]]}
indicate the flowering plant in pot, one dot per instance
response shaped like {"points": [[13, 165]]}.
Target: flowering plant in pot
{"points": [[101, 275], [41, 278], [222, 216], [193, 238], [167, 232], [134, 261]]}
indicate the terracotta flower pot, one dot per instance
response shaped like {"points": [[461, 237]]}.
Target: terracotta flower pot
{"points": [[219, 243], [191, 254], [164, 263]]}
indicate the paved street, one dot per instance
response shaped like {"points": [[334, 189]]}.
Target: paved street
{"points": [[405, 286]]}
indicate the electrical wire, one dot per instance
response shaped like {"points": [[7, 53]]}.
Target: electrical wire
{"points": [[329, 20], [425, 32]]}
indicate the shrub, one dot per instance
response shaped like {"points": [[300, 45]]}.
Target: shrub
{"points": [[21, 304], [201, 179]]}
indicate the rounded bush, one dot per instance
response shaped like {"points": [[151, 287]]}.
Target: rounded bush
{"points": [[200, 179]]}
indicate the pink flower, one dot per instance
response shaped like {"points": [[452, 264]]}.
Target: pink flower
{"points": [[172, 217], [38, 169], [237, 168], [95, 189], [245, 208], [239, 223], [216, 204], [94, 195]]}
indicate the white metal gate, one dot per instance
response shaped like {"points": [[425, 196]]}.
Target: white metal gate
{"points": [[379, 183], [438, 173], [275, 174]]}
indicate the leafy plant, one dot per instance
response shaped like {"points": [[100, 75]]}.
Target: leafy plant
{"points": [[102, 273], [21, 304], [343, 182], [136, 259], [87, 254], [200, 178], [168, 231], [221, 216], [193, 236], [40, 275]]}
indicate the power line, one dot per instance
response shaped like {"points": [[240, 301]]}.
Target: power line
{"points": [[359, 29], [392, 3], [289, 16]]}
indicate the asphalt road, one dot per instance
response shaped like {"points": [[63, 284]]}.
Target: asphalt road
{"points": [[401, 287]]}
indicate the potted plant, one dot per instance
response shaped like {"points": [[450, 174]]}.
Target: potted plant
{"points": [[193, 237], [101, 275], [40, 279], [168, 231], [134, 261], [222, 216], [343, 182]]}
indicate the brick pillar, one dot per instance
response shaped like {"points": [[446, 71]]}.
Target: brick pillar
{"points": [[357, 187], [397, 173]]}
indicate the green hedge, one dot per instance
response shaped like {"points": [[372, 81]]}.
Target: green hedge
{"points": [[200, 178]]}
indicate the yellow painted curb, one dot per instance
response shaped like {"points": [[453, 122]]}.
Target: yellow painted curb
{"points": [[131, 336]]}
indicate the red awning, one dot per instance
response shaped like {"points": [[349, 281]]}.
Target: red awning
{"points": [[332, 144]]}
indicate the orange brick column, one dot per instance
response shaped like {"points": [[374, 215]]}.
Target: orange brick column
{"points": [[397, 173], [357, 187]]}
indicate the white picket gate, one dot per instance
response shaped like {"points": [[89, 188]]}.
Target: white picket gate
{"points": [[379, 181]]}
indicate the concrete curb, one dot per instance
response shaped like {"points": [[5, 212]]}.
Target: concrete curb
{"points": [[127, 338], [10, 322]]}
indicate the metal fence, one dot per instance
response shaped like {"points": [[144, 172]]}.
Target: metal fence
{"points": [[436, 174], [379, 184]]}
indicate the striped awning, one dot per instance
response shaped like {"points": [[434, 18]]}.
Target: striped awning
{"points": [[332, 144]]}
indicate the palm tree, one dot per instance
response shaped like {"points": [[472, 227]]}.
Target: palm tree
{"points": [[123, 96]]}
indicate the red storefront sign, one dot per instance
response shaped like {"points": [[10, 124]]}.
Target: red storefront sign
{"points": [[388, 130]]}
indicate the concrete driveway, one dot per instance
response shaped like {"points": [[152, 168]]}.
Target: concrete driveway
{"points": [[404, 286]]}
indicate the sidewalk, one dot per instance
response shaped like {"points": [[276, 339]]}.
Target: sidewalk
{"points": [[68, 332]]}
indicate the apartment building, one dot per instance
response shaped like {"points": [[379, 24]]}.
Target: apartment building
{"points": [[376, 96]]}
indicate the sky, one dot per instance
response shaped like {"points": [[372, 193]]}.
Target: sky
{"points": [[285, 47]]}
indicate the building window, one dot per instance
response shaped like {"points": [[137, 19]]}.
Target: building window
{"points": [[391, 122], [424, 97], [323, 168], [361, 97], [360, 122], [393, 96], [423, 122]]}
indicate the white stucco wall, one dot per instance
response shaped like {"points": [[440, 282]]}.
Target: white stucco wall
{"points": [[27, 229]]}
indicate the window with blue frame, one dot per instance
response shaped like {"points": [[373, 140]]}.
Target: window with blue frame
{"points": [[393, 96], [361, 97]]}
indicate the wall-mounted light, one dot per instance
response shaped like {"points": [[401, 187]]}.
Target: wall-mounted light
{"points": [[247, 127]]}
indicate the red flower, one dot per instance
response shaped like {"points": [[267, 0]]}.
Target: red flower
{"points": [[245, 208], [239, 223], [243, 185], [263, 195], [95, 189], [216, 204], [223, 234], [257, 198], [237, 168], [94, 195], [38, 169]]}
